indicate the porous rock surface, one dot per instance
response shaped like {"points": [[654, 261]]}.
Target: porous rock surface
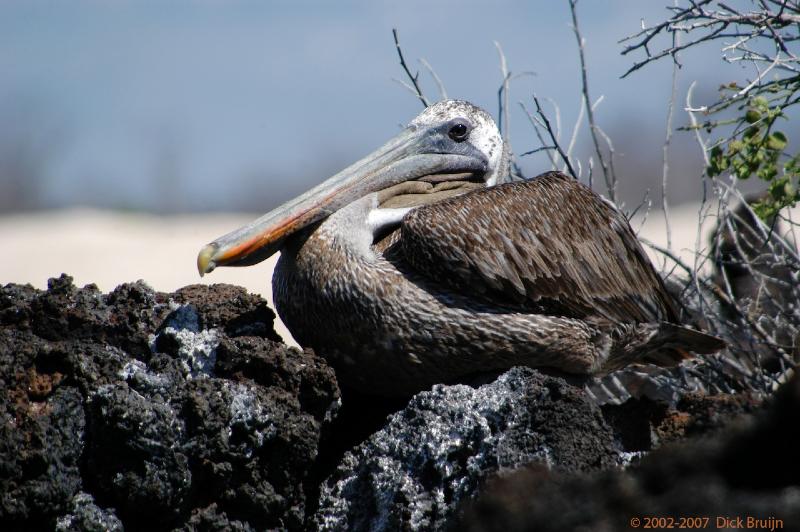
{"points": [[153, 411], [433, 455], [143, 410], [747, 470]]}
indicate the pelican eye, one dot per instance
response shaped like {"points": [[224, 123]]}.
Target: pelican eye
{"points": [[458, 132]]}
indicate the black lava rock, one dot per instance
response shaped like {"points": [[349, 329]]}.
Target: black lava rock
{"points": [[748, 470], [141, 410], [433, 455], [147, 410]]}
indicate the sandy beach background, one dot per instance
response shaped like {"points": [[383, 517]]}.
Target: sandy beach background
{"points": [[108, 248]]}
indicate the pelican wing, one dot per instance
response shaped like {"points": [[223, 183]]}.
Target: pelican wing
{"points": [[550, 243]]}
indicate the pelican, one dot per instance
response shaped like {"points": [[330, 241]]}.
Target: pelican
{"points": [[423, 264]]}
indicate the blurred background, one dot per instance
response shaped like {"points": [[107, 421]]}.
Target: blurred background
{"points": [[215, 106], [131, 133]]}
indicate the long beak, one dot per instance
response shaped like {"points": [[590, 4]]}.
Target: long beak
{"points": [[414, 153]]}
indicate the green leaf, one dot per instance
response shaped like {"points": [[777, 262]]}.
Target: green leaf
{"points": [[760, 103], [743, 172], [776, 141], [751, 134], [752, 116]]}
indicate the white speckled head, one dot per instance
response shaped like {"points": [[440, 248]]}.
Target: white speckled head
{"points": [[482, 132]]}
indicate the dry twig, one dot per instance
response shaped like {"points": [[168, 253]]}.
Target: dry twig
{"points": [[608, 171], [414, 87], [553, 137]]}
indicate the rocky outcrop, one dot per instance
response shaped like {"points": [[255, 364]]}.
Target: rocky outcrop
{"points": [[434, 454], [748, 470], [153, 410], [143, 410]]}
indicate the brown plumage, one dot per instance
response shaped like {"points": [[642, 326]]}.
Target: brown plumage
{"points": [[550, 242], [475, 274]]}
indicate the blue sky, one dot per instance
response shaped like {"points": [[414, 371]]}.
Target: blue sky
{"points": [[216, 105]]}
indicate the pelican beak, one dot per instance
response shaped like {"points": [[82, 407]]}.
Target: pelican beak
{"points": [[416, 152]]}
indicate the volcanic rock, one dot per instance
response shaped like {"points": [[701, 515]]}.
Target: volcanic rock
{"points": [[433, 455], [144, 410], [150, 410], [748, 470]]}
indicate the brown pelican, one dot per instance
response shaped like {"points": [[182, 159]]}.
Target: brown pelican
{"points": [[421, 264]]}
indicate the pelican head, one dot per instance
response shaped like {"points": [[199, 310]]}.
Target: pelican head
{"points": [[450, 144]]}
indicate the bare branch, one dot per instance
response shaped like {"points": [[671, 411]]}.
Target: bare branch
{"points": [[668, 138], [502, 94], [608, 174], [406, 86], [691, 110], [537, 150], [552, 134], [573, 139], [412, 77], [537, 124], [707, 23], [724, 298], [436, 78]]}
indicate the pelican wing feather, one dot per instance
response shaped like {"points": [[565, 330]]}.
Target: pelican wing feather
{"points": [[549, 243]]}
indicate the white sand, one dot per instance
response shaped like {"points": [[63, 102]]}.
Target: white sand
{"points": [[109, 248]]}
